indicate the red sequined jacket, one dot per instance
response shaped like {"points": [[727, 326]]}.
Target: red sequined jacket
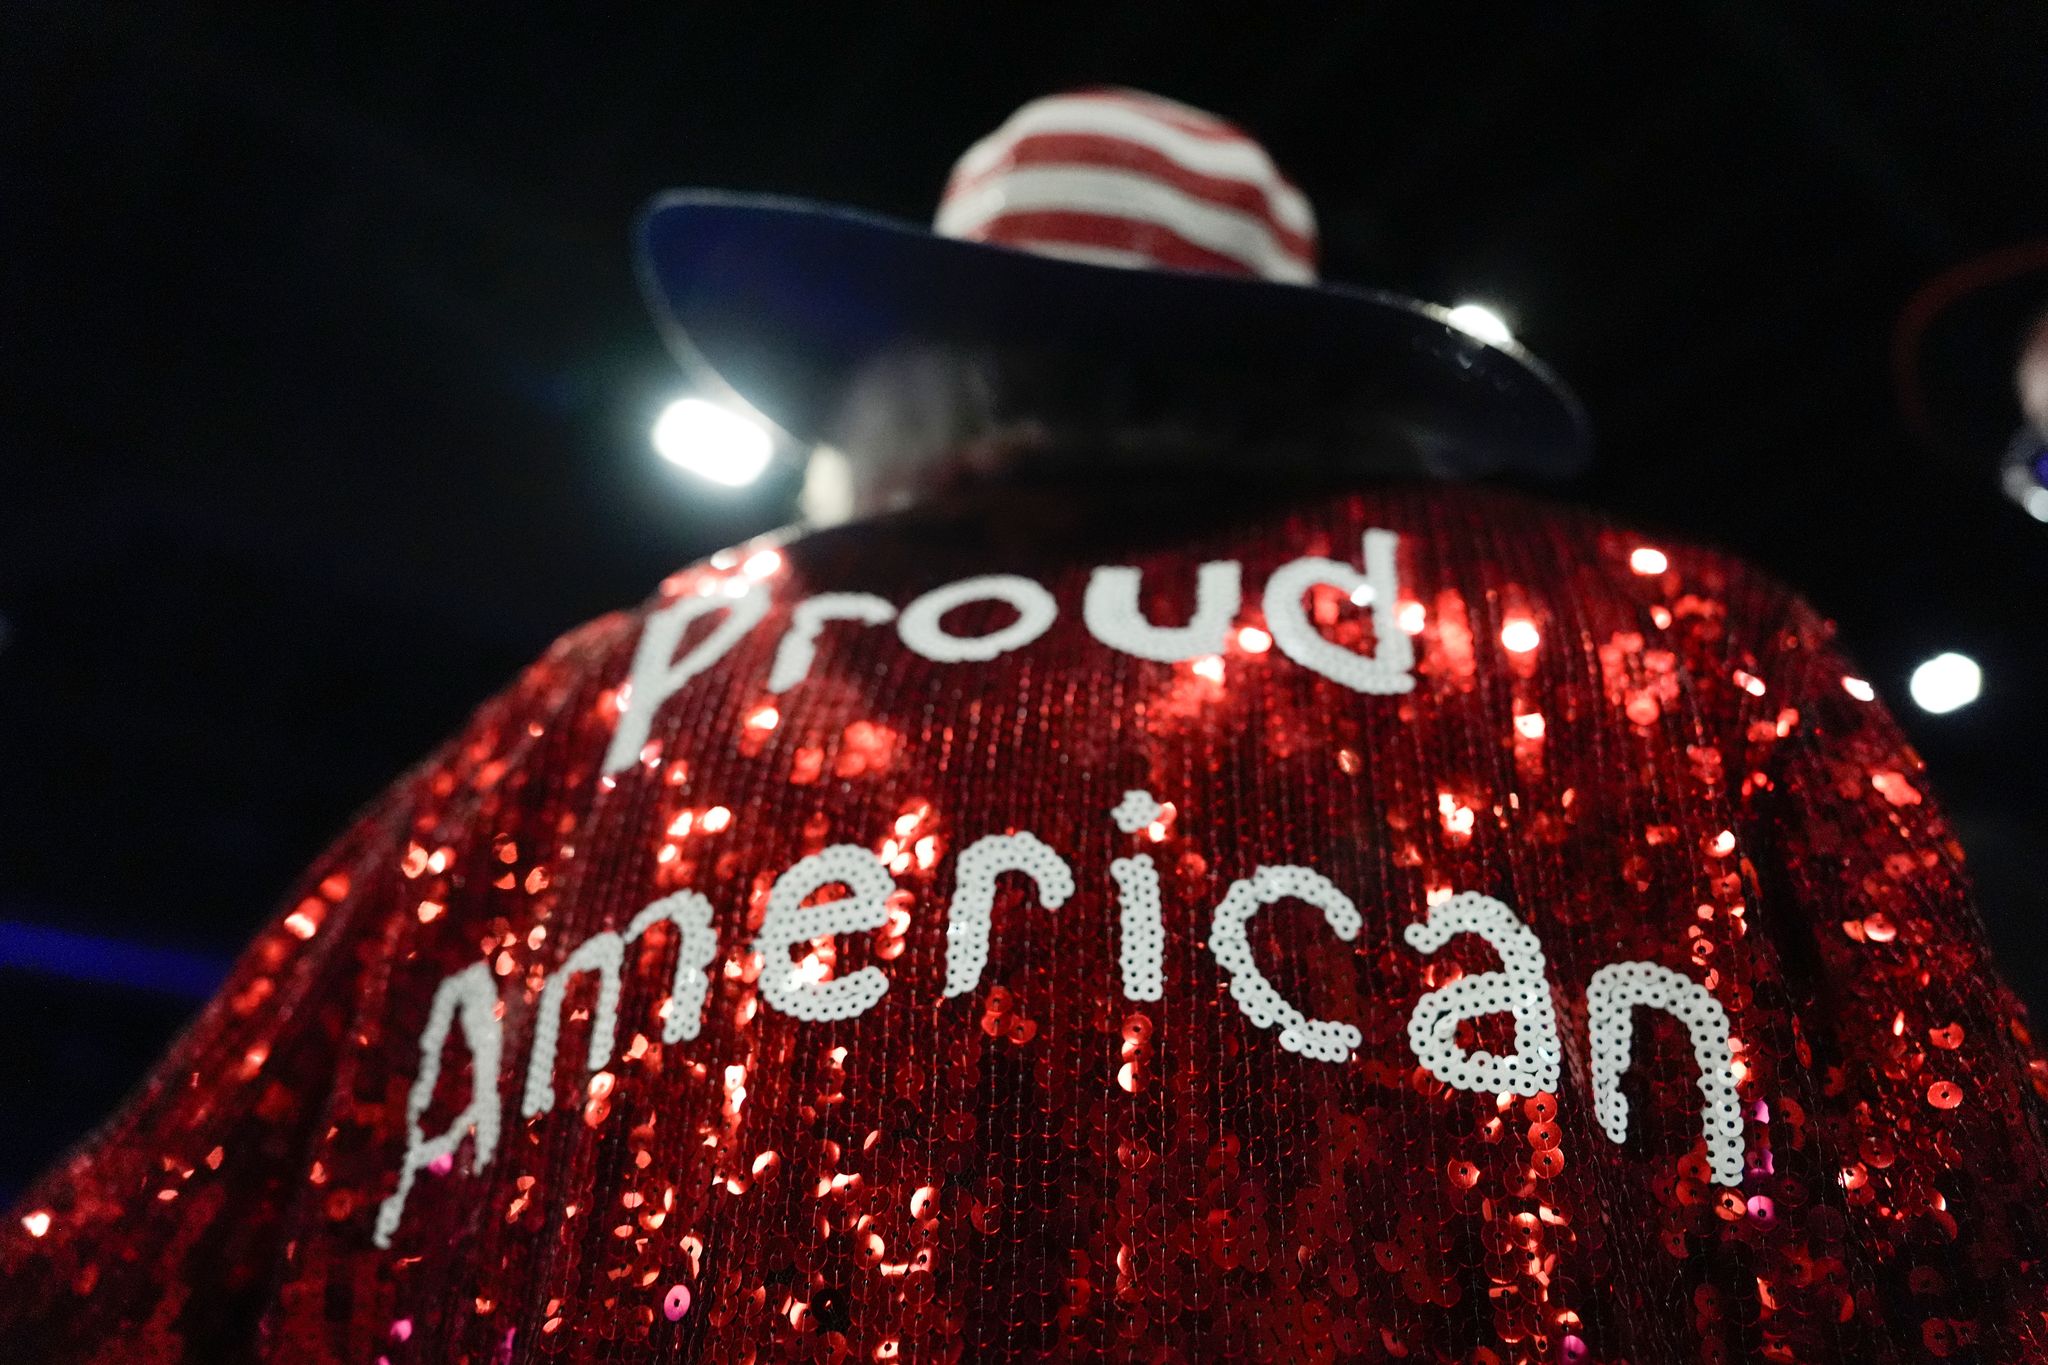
{"points": [[1417, 924]]}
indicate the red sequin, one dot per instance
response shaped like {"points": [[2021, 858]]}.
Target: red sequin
{"points": [[1649, 754]]}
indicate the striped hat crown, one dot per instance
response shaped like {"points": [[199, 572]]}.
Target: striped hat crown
{"points": [[1120, 177]]}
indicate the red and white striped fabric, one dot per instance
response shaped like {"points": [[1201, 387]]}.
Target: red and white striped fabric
{"points": [[1120, 177]]}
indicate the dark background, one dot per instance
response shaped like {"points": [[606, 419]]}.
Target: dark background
{"points": [[326, 388]]}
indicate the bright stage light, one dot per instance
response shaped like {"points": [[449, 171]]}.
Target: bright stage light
{"points": [[1646, 559], [1945, 683], [1482, 322], [713, 442], [1519, 636]]}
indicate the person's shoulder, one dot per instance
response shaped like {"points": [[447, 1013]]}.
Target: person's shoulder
{"points": [[1620, 575], [1575, 531]]}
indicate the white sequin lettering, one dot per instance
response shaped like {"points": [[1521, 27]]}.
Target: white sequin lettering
{"points": [[1612, 997], [658, 674], [789, 922], [1519, 988], [1110, 609], [974, 898], [1389, 668], [472, 995], [919, 625], [1321, 1039]]}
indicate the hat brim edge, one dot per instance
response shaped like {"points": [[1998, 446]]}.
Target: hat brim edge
{"points": [[777, 300]]}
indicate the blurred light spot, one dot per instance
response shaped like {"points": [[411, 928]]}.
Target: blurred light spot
{"points": [[1209, 666], [1520, 636], [1646, 560], [1252, 640], [1457, 816], [713, 442], [1859, 689], [2036, 503], [1476, 319], [1946, 683]]}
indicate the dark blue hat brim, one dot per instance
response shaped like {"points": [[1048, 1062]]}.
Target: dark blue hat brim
{"points": [[787, 300]]}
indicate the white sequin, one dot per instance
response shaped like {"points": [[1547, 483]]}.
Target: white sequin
{"points": [[1135, 811], [602, 954], [1518, 988], [1612, 997], [1110, 609], [696, 948], [1321, 1039], [472, 995], [800, 642], [1141, 950], [789, 922], [1389, 668], [658, 674], [919, 624], [974, 898]]}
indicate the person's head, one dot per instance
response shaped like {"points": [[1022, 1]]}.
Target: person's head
{"points": [[1114, 283], [926, 424]]}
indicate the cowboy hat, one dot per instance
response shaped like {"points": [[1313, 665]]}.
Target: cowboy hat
{"points": [[1094, 223]]}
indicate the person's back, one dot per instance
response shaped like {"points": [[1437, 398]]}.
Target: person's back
{"points": [[1219, 944], [1192, 884]]}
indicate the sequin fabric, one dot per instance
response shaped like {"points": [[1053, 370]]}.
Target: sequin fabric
{"points": [[1062, 1125]]}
